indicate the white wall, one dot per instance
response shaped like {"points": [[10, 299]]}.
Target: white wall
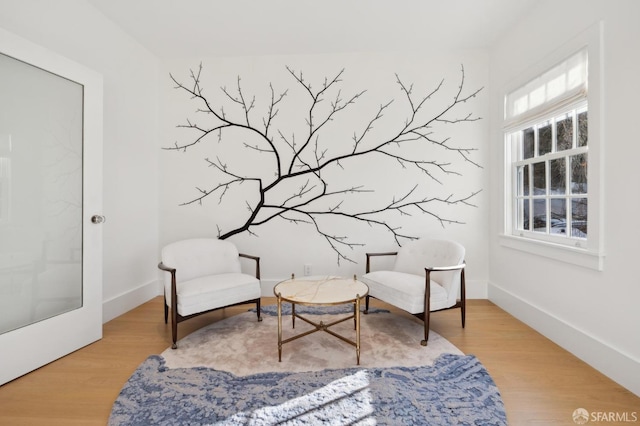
{"points": [[593, 314], [74, 29], [285, 247]]}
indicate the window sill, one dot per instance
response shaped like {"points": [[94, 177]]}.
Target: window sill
{"points": [[572, 255]]}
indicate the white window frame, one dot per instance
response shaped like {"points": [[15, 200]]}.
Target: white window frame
{"points": [[515, 154], [590, 252]]}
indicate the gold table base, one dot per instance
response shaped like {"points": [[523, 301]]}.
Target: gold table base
{"points": [[320, 326]]}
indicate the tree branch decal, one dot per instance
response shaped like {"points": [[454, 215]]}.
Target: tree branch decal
{"points": [[297, 186]]}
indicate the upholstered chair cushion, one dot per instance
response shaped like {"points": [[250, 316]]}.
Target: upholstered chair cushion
{"points": [[406, 291], [215, 291]]}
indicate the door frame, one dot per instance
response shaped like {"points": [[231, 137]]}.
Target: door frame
{"points": [[28, 348]]}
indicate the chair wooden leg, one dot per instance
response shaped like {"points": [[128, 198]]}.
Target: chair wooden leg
{"points": [[463, 308], [427, 316], [166, 310], [174, 312], [258, 309], [174, 328], [366, 305], [174, 336], [463, 297], [427, 307]]}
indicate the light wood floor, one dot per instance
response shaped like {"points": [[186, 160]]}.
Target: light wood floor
{"points": [[540, 383]]}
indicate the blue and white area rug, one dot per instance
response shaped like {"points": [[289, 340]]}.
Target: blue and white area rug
{"points": [[208, 380]]}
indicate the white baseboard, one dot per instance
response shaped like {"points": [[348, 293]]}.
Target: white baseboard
{"points": [[614, 364], [125, 302]]}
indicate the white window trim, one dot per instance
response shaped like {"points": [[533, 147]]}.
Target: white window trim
{"points": [[591, 254]]}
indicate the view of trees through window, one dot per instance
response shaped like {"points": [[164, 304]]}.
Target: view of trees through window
{"points": [[551, 173]]}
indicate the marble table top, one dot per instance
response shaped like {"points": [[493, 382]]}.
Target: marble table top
{"points": [[321, 290]]}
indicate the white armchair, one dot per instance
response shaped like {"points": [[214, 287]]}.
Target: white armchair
{"points": [[204, 274], [428, 276]]}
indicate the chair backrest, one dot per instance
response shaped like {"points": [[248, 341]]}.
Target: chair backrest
{"points": [[416, 255], [199, 257]]}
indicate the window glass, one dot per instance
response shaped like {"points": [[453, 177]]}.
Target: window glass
{"points": [[582, 129], [539, 179], [564, 132], [558, 176], [558, 220], [579, 174], [540, 215], [544, 139], [579, 217], [528, 143]]}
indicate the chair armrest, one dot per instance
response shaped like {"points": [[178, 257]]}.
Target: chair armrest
{"points": [[174, 288], [446, 268], [166, 268], [463, 286], [370, 255], [256, 258]]}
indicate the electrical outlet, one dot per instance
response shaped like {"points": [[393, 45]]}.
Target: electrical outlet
{"points": [[307, 269]]}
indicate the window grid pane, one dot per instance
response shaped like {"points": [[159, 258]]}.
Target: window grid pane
{"points": [[564, 133], [558, 220], [539, 179], [551, 179], [558, 177], [540, 215], [545, 139], [579, 174], [582, 129], [528, 143], [579, 218]]}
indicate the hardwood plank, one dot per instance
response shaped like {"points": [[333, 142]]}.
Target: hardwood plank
{"points": [[540, 382]]}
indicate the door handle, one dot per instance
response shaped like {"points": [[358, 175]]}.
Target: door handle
{"points": [[96, 218]]}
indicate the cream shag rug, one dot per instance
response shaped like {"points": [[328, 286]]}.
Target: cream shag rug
{"points": [[241, 345]]}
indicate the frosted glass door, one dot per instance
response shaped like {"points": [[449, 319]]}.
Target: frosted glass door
{"points": [[50, 187], [40, 194]]}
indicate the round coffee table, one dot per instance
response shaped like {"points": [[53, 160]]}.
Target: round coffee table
{"points": [[320, 291]]}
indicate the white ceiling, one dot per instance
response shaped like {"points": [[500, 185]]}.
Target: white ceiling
{"points": [[188, 28]]}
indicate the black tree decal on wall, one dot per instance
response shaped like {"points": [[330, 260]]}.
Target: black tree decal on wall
{"points": [[299, 188]]}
